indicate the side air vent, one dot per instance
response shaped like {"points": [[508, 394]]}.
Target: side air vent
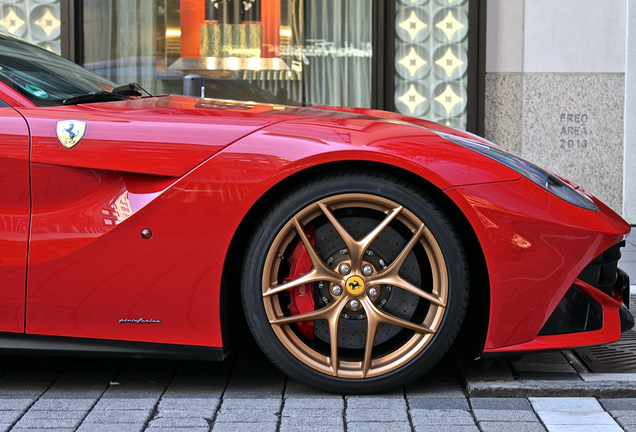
{"points": [[602, 272], [576, 312]]}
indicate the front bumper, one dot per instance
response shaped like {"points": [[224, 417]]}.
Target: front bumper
{"points": [[592, 312], [578, 312], [534, 255]]}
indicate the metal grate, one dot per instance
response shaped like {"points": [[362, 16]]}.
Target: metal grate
{"points": [[617, 357]]}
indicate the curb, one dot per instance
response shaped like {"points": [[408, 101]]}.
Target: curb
{"points": [[554, 374], [549, 388]]}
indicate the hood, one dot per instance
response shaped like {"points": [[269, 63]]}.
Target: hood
{"points": [[170, 135], [397, 117], [164, 135], [192, 108]]}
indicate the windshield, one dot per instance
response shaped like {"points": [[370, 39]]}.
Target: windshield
{"points": [[44, 78]]}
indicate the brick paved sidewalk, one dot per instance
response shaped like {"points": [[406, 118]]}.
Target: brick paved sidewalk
{"points": [[249, 394]]}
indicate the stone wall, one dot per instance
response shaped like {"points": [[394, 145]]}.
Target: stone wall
{"points": [[573, 126], [555, 88], [504, 110]]}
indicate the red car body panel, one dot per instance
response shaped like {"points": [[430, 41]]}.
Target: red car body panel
{"points": [[15, 207], [191, 169], [533, 254], [142, 143], [610, 331], [13, 98]]}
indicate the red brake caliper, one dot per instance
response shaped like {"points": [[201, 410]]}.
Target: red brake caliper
{"points": [[301, 298]]}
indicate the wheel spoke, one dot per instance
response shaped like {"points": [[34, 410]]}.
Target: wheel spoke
{"points": [[333, 320], [311, 277], [325, 313], [398, 262], [372, 327], [320, 271], [349, 241], [383, 317], [399, 282], [369, 238], [407, 286], [316, 261], [357, 248], [391, 275], [331, 314]]}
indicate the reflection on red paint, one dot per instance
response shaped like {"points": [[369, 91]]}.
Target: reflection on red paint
{"points": [[14, 218], [74, 206]]}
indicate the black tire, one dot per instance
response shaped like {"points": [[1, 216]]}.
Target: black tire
{"points": [[416, 316]]}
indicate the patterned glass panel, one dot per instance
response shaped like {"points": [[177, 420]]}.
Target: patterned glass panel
{"points": [[37, 21], [431, 61]]}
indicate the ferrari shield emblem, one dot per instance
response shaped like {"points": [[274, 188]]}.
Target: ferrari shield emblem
{"points": [[70, 132]]}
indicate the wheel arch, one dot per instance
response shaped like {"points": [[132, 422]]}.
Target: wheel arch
{"points": [[475, 325]]}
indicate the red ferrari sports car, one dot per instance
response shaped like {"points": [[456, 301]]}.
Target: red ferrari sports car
{"points": [[359, 242]]}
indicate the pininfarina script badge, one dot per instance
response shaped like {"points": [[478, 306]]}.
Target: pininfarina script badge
{"points": [[139, 321], [70, 132]]}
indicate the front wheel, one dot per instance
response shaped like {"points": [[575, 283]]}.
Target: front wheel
{"points": [[355, 283]]}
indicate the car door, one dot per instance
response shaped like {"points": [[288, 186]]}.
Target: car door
{"points": [[93, 273], [14, 217]]}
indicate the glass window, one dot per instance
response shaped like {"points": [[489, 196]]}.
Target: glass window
{"points": [[44, 78], [309, 52], [431, 60], [37, 21]]}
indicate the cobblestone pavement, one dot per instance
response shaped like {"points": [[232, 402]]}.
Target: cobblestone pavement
{"points": [[249, 394], [246, 393]]}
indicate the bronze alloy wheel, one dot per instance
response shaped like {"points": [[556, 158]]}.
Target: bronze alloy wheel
{"points": [[355, 286]]}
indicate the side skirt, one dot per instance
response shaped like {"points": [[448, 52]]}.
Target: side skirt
{"points": [[11, 343]]}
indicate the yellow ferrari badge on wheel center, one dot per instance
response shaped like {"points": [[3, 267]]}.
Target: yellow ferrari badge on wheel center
{"points": [[355, 285], [70, 132]]}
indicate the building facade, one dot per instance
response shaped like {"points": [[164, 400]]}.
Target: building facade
{"points": [[551, 81], [557, 92]]}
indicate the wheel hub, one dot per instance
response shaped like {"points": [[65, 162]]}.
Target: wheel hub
{"points": [[379, 295], [355, 285]]}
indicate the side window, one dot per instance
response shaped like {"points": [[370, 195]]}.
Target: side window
{"points": [[44, 78], [3, 104]]}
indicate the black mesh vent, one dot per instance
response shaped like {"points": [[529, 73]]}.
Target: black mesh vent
{"points": [[576, 312], [602, 272]]}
